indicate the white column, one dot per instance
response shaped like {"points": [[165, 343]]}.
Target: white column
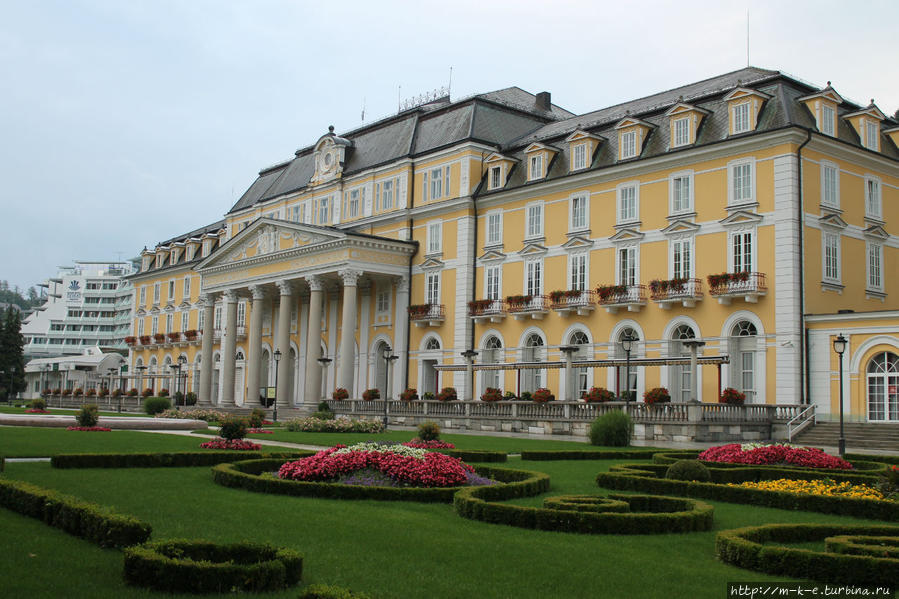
{"points": [[313, 387], [229, 348], [399, 338], [347, 357], [206, 365], [282, 342], [254, 345]]}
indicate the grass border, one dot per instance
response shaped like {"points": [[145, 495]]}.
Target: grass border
{"points": [[587, 454], [176, 459]]}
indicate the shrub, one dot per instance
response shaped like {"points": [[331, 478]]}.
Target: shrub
{"points": [[90, 393], [689, 470], [177, 459], [179, 398], [656, 395], [104, 392], [156, 405], [598, 395], [509, 396], [323, 406], [132, 392], [323, 415], [327, 591], [340, 394], [526, 396], [492, 394], [190, 399], [428, 395], [732, 396], [233, 427], [146, 392], [88, 415], [410, 394], [256, 417], [613, 429], [447, 394], [543, 395], [163, 392], [78, 392], [334, 425], [428, 430], [37, 404], [371, 394]]}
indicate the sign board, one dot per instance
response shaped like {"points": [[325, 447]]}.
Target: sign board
{"points": [[270, 392]]}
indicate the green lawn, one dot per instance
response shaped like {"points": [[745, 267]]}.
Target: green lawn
{"points": [[14, 410], [389, 549]]}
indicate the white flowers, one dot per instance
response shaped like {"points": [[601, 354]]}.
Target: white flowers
{"points": [[409, 452]]}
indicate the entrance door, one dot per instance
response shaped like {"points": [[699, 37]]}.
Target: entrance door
{"points": [[430, 377], [883, 388], [380, 369]]}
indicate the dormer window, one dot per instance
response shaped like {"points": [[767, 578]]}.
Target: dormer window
{"points": [[538, 157], [535, 168], [866, 123], [498, 168], [681, 132], [872, 135], [684, 120], [823, 106], [581, 148], [740, 117], [744, 105], [579, 157], [628, 144], [496, 177], [827, 120]]}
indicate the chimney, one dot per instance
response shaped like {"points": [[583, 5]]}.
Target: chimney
{"points": [[543, 101]]}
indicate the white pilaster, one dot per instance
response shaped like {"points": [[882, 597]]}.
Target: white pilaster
{"points": [[401, 325], [461, 323]]}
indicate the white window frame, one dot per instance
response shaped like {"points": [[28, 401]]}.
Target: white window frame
{"points": [[354, 197], [432, 278], [732, 199], [535, 231], [185, 289], [533, 277], [185, 320], [739, 126], [628, 144], [872, 134], [579, 268], [242, 313], [201, 319], [620, 277], [830, 244], [827, 122], [154, 325], [157, 288], [435, 237], [874, 266], [676, 141], [535, 166], [143, 295], [873, 197], [493, 274], [169, 322], [379, 296], [579, 156], [683, 175], [323, 212], [835, 169], [494, 234], [676, 246], [435, 185], [579, 218], [217, 317], [495, 177], [619, 193], [140, 326], [753, 251]]}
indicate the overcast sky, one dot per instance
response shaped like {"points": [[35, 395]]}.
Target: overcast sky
{"points": [[126, 122]]}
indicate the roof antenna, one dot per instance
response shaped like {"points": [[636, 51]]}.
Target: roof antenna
{"points": [[399, 90], [363, 109], [747, 37], [449, 88]]}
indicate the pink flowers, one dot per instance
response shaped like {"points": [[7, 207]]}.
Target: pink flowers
{"points": [[239, 444], [806, 457], [432, 444], [258, 431], [99, 429], [36, 411], [430, 470]]}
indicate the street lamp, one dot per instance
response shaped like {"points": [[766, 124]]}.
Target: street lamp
{"points": [[176, 370], [277, 357], [110, 372], [839, 346], [140, 378], [388, 358], [627, 343]]}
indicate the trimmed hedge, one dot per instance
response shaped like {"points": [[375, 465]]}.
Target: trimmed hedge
{"points": [[886, 459], [587, 454], [476, 455], [327, 591], [163, 460], [77, 517], [649, 478], [752, 548], [252, 475], [586, 503], [650, 514], [184, 565], [864, 545], [865, 471]]}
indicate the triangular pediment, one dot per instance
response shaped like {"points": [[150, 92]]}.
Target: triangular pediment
{"points": [[185, 305], [871, 110], [578, 242], [492, 256], [539, 147], [741, 217], [266, 236], [683, 108], [532, 249], [431, 264], [630, 121], [580, 134], [744, 92], [141, 312], [876, 232], [497, 157], [681, 226], [169, 308], [154, 310], [828, 93], [832, 220], [627, 235]]}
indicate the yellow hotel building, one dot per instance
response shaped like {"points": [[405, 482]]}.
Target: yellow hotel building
{"points": [[750, 211]]}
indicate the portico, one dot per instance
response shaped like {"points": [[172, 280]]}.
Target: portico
{"points": [[307, 293]]}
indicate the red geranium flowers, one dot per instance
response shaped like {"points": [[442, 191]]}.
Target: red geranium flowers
{"points": [[806, 457]]}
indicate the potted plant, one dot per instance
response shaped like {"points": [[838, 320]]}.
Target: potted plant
{"points": [[419, 310], [132, 392], [163, 392], [447, 394], [145, 340], [146, 392], [190, 334], [90, 393], [104, 392], [371, 394], [78, 392], [46, 392], [492, 394], [116, 393], [340, 394], [410, 394], [427, 395], [477, 306], [656, 395], [509, 396], [543, 395], [130, 340], [159, 338], [526, 396], [173, 336], [732, 396], [517, 302], [609, 292], [598, 395]]}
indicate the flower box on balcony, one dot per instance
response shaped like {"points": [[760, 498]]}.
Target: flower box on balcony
{"points": [[159, 337], [190, 335], [667, 292], [613, 297], [483, 310], [729, 285], [573, 300], [427, 314], [130, 340], [173, 337], [524, 306], [146, 340]]}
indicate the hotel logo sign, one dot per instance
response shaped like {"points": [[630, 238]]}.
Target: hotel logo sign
{"points": [[73, 295]]}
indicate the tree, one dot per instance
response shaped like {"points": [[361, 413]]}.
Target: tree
{"points": [[12, 354]]}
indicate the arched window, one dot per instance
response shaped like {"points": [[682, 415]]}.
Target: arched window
{"points": [[239, 355], [492, 354], [534, 352], [627, 381], [432, 344], [681, 377], [883, 387], [742, 347], [581, 378]]}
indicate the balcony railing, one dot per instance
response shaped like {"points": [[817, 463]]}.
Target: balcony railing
{"points": [[534, 306], [747, 285], [493, 310], [582, 302], [683, 291], [632, 297], [424, 315]]}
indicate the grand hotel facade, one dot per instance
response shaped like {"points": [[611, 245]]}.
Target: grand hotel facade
{"points": [[750, 211]]}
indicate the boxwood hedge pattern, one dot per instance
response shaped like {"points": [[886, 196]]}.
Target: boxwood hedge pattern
{"points": [[77, 517], [193, 566], [162, 460], [864, 545], [755, 548], [254, 475], [587, 454], [327, 591], [476, 455], [649, 478], [586, 503]]}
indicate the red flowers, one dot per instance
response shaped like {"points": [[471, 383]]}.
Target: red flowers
{"points": [[239, 444], [432, 444], [806, 457], [258, 431], [99, 429], [36, 411], [432, 470]]}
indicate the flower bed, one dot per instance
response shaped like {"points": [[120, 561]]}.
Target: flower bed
{"points": [[259, 431], [432, 444], [807, 457], [827, 488], [335, 425], [198, 414], [238, 444], [34, 411], [99, 429], [403, 466]]}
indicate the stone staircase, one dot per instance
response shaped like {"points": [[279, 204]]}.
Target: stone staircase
{"points": [[859, 436]]}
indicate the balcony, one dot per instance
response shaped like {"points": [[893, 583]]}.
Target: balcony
{"points": [[427, 315], [730, 285], [615, 297], [487, 310], [568, 302], [676, 291], [522, 307]]}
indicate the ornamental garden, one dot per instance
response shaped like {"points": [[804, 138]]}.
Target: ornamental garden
{"points": [[374, 513]]}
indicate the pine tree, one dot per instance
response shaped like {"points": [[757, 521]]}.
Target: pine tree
{"points": [[12, 353]]}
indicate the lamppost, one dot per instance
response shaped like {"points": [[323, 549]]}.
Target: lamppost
{"points": [[140, 378], [627, 344], [110, 372], [388, 359], [180, 384], [277, 356], [176, 375], [839, 346]]}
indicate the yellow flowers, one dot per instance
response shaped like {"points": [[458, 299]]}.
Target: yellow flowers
{"points": [[815, 487]]}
